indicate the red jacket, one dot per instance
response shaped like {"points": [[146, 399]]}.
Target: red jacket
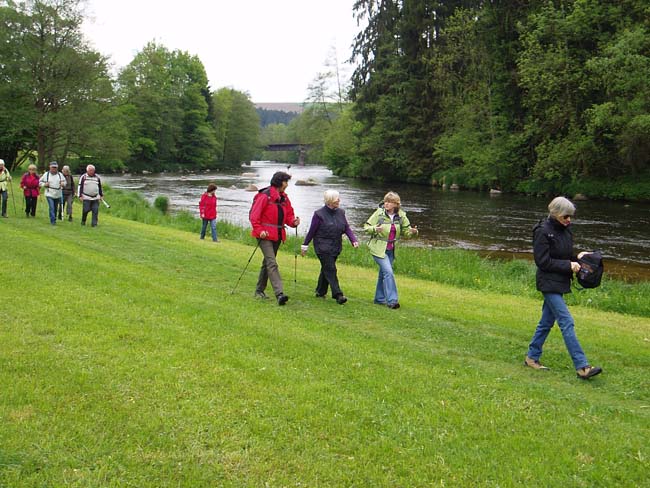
{"points": [[271, 211], [208, 206], [29, 184]]}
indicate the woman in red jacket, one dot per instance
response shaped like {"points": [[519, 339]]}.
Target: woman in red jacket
{"points": [[270, 212], [29, 184], [208, 211]]}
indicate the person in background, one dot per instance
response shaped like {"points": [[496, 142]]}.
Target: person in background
{"points": [[5, 178], [89, 191], [208, 211], [68, 193], [30, 185], [386, 226], [270, 212], [328, 224], [53, 182], [556, 263]]}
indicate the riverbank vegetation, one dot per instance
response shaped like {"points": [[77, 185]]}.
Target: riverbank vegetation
{"points": [[126, 362], [535, 97], [465, 269]]}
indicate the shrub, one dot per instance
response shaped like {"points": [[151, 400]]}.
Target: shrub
{"points": [[162, 203]]}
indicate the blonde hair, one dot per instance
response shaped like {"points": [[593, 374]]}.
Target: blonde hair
{"points": [[330, 196], [560, 206], [32, 166], [393, 197]]}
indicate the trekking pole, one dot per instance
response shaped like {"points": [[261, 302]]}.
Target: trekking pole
{"points": [[295, 265], [13, 198], [245, 267]]}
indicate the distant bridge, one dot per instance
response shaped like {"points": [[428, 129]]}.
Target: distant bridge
{"points": [[301, 148]]}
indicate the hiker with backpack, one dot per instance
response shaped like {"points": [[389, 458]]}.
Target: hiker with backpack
{"points": [[387, 225], [327, 228], [54, 183], [68, 194], [90, 192], [556, 264], [270, 213]]}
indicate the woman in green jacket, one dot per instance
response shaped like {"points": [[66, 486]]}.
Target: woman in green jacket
{"points": [[386, 226]]}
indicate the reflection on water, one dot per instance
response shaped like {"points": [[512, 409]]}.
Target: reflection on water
{"points": [[445, 219]]}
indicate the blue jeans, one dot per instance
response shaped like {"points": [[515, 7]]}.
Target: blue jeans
{"points": [[554, 309], [386, 291], [213, 227], [53, 204]]}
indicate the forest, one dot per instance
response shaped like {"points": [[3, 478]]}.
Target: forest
{"points": [[59, 100], [535, 96]]}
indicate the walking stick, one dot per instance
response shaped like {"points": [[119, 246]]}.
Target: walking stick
{"points": [[245, 267], [13, 198], [295, 265]]}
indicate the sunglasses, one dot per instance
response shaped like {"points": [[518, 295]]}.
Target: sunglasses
{"points": [[567, 216]]}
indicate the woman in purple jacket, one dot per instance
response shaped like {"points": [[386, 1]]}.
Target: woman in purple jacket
{"points": [[327, 228]]}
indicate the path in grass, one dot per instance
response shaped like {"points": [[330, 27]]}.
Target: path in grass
{"points": [[126, 362]]}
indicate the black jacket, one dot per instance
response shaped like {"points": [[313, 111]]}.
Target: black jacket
{"points": [[553, 251], [328, 237]]}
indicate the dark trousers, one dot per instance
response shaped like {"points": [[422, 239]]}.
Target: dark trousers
{"points": [[328, 276], [67, 205], [269, 270], [3, 195], [90, 206], [30, 206]]}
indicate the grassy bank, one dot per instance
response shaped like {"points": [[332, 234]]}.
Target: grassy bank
{"points": [[126, 362], [455, 267]]}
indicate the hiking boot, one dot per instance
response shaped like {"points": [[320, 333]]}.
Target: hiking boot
{"points": [[341, 299], [261, 295], [588, 371], [282, 299], [318, 295], [70, 218], [393, 306], [533, 363]]}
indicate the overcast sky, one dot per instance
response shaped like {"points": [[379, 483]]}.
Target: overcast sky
{"points": [[271, 49]]}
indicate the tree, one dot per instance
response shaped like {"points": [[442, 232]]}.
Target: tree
{"points": [[167, 96], [237, 126], [55, 84]]}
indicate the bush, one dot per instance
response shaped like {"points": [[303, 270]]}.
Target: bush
{"points": [[162, 203]]}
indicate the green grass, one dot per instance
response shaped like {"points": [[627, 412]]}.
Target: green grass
{"points": [[125, 361], [456, 267]]}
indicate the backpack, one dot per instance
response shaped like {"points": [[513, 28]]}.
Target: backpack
{"points": [[591, 270]]}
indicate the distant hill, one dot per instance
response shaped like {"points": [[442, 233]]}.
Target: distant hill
{"points": [[281, 107], [277, 113]]}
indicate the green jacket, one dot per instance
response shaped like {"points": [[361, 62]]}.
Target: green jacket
{"points": [[4, 178], [379, 240]]}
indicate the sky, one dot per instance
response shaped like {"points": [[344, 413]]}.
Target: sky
{"points": [[271, 49]]}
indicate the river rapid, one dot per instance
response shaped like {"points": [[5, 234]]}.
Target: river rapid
{"points": [[496, 225]]}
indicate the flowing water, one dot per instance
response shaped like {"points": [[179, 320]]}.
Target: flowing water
{"points": [[499, 225]]}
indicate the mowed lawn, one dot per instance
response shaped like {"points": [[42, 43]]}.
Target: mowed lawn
{"points": [[125, 361]]}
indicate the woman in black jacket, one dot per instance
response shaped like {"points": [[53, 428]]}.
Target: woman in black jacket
{"points": [[556, 263], [327, 228]]}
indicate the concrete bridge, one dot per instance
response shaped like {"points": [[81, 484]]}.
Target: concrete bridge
{"points": [[295, 146]]}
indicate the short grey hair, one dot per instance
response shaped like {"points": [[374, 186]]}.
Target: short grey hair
{"points": [[89, 166], [560, 206], [65, 168], [330, 196]]}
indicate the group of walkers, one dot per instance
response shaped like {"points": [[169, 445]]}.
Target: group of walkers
{"points": [[271, 213], [60, 191]]}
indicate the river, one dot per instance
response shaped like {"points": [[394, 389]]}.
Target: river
{"points": [[497, 225]]}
